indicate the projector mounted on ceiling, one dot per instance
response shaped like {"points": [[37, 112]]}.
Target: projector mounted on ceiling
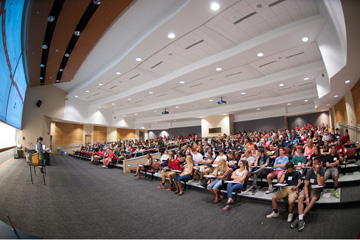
{"points": [[165, 112], [221, 101]]}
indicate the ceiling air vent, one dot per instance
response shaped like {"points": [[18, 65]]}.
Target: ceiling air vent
{"points": [[276, 3], [134, 76], [156, 64], [196, 85], [294, 55], [283, 89], [96, 94], [194, 44], [233, 74], [243, 18], [267, 64]]}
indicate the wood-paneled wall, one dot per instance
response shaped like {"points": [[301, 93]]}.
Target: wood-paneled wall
{"points": [[122, 133], [68, 133], [340, 111], [355, 91], [100, 134]]}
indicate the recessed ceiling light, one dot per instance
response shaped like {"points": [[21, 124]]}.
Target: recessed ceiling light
{"points": [[243, 93], [150, 92], [155, 122], [171, 35], [100, 84], [124, 115], [87, 91], [138, 59], [336, 96], [218, 69], [51, 18], [347, 81], [118, 73], [76, 96], [258, 109], [155, 111], [129, 99], [306, 100], [100, 107], [260, 54], [305, 79], [328, 104], [113, 104], [214, 6], [211, 100], [136, 114], [281, 85], [177, 107], [305, 39], [289, 104], [182, 82]]}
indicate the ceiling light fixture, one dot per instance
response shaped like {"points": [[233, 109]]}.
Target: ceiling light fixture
{"points": [[281, 85], [129, 99], [76, 96], [347, 81], [171, 35], [335, 96], [100, 84], [113, 104], [182, 82], [118, 73], [305, 39], [211, 100], [306, 100], [289, 104], [221, 101], [87, 91], [214, 6], [260, 54], [258, 109], [243, 93], [51, 18], [218, 69], [138, 59], [177, 107], [150, 92], [305, 79]]}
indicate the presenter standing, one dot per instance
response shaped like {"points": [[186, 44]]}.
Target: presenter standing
{"points": [[41, 154]]}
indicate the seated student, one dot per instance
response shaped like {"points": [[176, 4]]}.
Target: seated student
{"points": [[272, 153], [164, 158], [248, 157], [299, 160], [146, 166], [262, 162], [317, 153], [325, 150], [215, 184], [332, 161], [172, 165], [185, 175], [346, 137], [340, 149], [279, 169], [315, 176], [98, 156], [209, 170], [108, 160], [197, 159], [232, 160], [239, 177], [293, 180], [309, 148]]}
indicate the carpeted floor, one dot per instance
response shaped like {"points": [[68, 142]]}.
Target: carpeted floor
{"points": [[81, 200]]}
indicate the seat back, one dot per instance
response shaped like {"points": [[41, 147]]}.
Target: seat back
{"points": [[245, 183], [156, 166], [350, 153]]}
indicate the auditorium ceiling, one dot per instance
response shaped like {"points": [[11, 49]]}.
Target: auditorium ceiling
{"points": [[136, 58]]}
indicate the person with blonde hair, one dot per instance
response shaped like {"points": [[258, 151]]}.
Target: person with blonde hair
{"points": [[309, 149], [215, 184], [239, 177], [185, 175]]}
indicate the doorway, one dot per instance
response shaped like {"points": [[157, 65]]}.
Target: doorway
{"points": [[87, 139]]}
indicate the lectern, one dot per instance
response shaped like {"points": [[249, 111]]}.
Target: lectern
{"points": [[34, 161]]}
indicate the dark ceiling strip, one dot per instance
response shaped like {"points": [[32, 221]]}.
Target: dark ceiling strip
{"points": [[156, 64], [233, 74], [246, 17], [267, 64], [55, 11], [275, 3], [113, 87], [294, 55], [134, 76], [196, 85], [194, 44], [79, 29]]}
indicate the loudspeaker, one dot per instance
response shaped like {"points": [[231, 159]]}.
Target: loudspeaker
{"points": [[38, 103]]}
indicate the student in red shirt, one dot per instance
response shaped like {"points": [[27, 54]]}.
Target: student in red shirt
{"points": [[346, 137], [340, 149], [168, 173], [109, 158]]}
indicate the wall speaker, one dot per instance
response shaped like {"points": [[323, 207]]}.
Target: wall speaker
{"points": [[38, 103]]}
